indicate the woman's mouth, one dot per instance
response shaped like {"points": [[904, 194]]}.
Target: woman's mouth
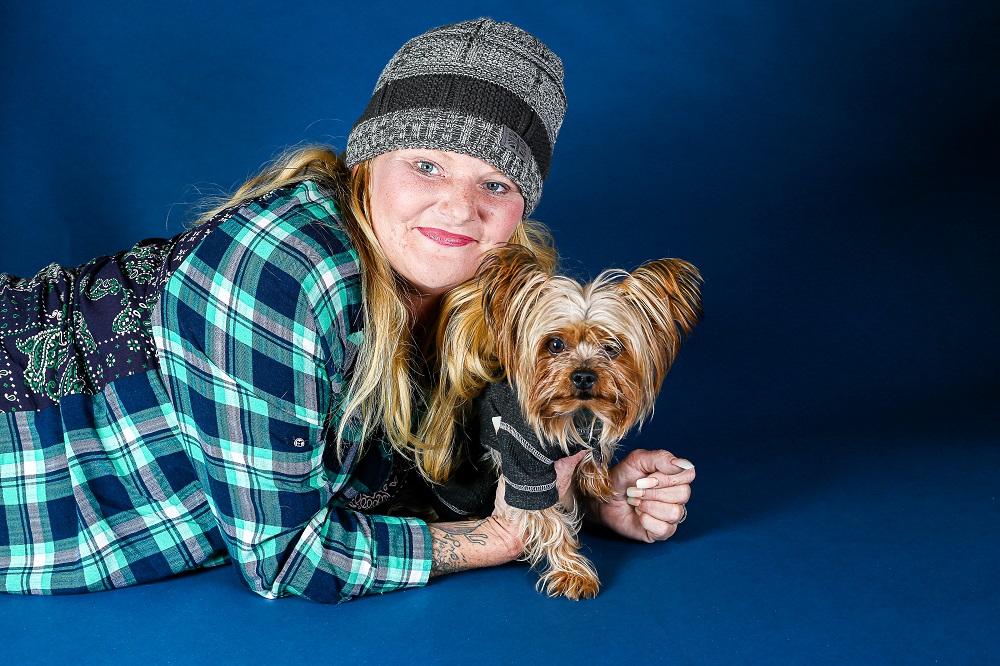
{"points": [[446, 238]]}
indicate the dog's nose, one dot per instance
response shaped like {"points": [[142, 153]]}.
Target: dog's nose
{"points": [[583, 379]]}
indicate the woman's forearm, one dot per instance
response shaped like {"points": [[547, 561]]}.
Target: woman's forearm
{"points": [[472, 544]]}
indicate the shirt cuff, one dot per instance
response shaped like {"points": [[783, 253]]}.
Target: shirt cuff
{"points": [[403, 556]]}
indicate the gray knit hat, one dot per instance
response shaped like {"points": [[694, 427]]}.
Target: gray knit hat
{"points": [[482, 88]]}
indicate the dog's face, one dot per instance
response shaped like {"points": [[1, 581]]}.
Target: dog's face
{"points": [[582, 354]]}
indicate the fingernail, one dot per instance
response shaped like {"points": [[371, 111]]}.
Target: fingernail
{"points": [[634, 492], [683, 464], [634, 501], [648, 482]]}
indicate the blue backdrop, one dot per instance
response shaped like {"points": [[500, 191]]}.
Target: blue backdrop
{"points": [[832, 167]]}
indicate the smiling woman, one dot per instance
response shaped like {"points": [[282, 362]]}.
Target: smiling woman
{"points": [[435, 213], [249, 391]]}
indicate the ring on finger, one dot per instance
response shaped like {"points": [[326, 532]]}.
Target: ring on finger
{"points": [[684, 517]]}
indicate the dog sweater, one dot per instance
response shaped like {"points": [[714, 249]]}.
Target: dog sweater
{"points": [[527, 463]]}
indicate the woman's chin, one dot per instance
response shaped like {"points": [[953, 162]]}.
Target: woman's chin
{"points": [[437, 283]]}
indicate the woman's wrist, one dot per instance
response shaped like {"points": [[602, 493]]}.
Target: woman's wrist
{"points": [[459, 546], [507, 534]]}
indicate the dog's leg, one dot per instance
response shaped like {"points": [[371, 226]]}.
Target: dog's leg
{"points": [[592, 479], [550, 534]]}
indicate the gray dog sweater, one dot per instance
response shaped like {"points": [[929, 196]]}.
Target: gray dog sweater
{"points": [[527, 463]]}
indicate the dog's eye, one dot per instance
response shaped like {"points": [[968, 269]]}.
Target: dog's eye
{"points": [[613, 349], [555, 345]]}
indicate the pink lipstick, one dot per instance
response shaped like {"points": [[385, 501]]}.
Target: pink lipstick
{"points": [[446, 238]]}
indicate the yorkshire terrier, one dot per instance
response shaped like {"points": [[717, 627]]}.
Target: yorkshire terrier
{"points": [[577, 366]]}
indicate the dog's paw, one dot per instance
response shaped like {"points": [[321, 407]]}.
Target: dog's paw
{"points": [[573, 586]]}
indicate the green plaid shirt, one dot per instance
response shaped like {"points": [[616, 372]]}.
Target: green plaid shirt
{"points": [[225, 450]]}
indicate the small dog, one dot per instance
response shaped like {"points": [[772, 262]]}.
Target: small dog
{"points": [[586, 363]]}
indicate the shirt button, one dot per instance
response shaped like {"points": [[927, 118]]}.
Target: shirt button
{"points": [[298, 442]]}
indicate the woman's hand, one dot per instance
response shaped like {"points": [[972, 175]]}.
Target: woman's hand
{"points": [[651, 489], [470, 544]]}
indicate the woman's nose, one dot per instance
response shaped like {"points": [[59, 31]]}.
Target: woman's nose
{"points": [[458, 202]]}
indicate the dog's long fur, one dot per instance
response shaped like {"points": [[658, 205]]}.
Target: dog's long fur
{"points": [[541, 331]]}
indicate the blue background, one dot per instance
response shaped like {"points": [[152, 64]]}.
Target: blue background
{"points": [[832, 167]]}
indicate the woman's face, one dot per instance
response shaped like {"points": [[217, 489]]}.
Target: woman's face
{"points": [[436, 212]]}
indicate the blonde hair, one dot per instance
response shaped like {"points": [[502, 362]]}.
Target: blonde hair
{"points": [[392, 379]]}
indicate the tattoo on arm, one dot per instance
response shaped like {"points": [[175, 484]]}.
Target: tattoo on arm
{"points": [[449, 544]]}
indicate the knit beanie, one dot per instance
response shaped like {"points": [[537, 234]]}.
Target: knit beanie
{"points": [[482, 88]]}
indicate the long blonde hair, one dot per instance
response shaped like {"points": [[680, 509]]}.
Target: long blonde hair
{"points": [[392, 378]]}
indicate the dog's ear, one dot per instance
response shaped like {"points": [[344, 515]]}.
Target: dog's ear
{"points": [[666, 291], [510, 280]]}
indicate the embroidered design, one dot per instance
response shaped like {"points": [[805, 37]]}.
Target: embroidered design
{"points": [[83, 336], [49, 370], [72, 330], [142, 263], [362, 502], [47, 275], [103, 287], [130, 320]]}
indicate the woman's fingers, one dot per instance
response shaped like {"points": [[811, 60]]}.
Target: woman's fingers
{"points": [[656, 469], [673, 495], [664, 479], [664, 511], [656, 530], [651, 462], [657, 486]]}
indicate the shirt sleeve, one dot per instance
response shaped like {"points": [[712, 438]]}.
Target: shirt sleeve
{"points": [[253, 334]]}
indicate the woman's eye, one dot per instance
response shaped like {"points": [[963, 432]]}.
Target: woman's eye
{"points": [[555, 345], [612, 349], [494, 186], [427, 167]]}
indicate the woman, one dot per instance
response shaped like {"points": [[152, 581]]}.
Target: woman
{"points": [[249, 390]]}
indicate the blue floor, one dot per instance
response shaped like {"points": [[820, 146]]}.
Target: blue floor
{"points": [[832, 169], [821, 551]]}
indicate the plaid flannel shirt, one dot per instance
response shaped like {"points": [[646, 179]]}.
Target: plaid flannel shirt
{"points": [[227, 449]]}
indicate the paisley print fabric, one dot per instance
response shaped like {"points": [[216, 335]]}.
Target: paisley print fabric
{"points": [[67, 331]]}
